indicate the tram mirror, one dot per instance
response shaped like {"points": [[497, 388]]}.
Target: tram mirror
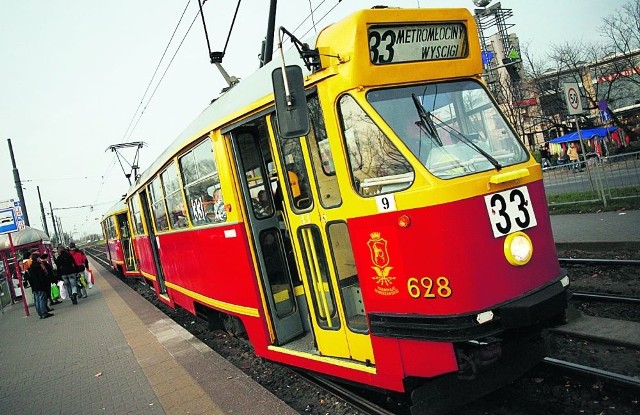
{"points": [[291, 102]]}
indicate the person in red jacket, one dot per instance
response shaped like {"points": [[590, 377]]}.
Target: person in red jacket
{"points": [[83, 264]]}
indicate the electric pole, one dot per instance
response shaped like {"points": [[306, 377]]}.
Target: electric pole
{"points": [[44, 217], [16, 179]]}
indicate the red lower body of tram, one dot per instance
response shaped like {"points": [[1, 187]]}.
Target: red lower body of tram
{"points": [[123, 264]]}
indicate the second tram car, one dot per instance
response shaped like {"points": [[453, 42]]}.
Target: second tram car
{"points": [[118, 240], [403, 242]]}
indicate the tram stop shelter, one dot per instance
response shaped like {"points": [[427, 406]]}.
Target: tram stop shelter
{"points": [[13, 252]]}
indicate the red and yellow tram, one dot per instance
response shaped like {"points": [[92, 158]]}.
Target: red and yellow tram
{"points": [[116, 229], [402, 241]]}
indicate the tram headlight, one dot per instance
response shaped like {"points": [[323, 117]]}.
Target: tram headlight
{"points": [[518, 248]]}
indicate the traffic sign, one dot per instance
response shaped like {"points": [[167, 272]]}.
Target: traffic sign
{"points": [[17, 209], [572, 96]]}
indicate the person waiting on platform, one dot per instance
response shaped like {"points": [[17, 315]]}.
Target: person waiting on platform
{"points": [[83, 263], [67, 270], [40, 285]]}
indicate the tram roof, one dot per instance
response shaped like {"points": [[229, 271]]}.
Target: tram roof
{"points": [[224, 109], [118, 207]]}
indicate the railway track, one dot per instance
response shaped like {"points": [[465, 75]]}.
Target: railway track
{"points": [[582, 370], [97, 254], [602, 297], [600, 261], [353, 398]]}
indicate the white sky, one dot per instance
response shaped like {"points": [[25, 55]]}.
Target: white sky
{"points": [[72, 74]]}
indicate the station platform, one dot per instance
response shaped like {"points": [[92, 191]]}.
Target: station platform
{"points": [[115, 353]]}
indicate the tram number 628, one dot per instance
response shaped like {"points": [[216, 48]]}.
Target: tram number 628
{"points": [[425, 288]]}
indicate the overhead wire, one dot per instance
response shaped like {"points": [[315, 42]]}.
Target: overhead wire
{"points": [[322, 18], [231, 28], [309, 15], [129, 131], [155, 71], [167, 69], [312, 21]]}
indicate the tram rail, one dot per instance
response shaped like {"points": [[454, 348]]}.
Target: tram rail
{"points": [[582, 370], [599, 261], [603, 297], [353, 398]]}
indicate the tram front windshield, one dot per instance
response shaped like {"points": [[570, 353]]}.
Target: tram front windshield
{"points": [[453, 128]]}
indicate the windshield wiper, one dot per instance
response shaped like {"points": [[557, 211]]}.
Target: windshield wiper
{"points": [[464, 139], [426, 121]]}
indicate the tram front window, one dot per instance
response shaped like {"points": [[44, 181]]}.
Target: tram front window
{"points": [[453, 128]]}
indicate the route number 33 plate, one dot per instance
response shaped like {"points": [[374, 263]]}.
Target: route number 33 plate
{"points": [[510, 211]]}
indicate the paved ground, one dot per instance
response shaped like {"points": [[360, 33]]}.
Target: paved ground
{"points": [[101, 356]]}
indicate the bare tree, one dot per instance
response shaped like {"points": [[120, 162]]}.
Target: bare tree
{"points": [[622, 28], [582, 63], [576, 61]]}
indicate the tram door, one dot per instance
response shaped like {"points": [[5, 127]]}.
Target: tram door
{"points": [[271, 242], [154, 243], [318, 221], [127, 242]]}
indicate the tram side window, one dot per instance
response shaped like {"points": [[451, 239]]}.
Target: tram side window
{"points": [[321, 156], [377, 167], [136, 215], [202, 185], [173, 195], [157, 206], [111, 228], [345, 264], [296, 178]]}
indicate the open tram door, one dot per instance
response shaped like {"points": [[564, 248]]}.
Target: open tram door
{"points": [[127, 242], [316, 214], [271, 245], [155, 248]]}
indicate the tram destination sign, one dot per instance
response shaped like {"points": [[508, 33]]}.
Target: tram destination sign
{"points": [[390, 44]]}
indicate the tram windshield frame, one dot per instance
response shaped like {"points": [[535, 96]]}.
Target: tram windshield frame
{"points": [[453, 128]]}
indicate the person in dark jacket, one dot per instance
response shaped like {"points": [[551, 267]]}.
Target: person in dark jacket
{"points": [[53, 279], [39, 280], [67, 270]]}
